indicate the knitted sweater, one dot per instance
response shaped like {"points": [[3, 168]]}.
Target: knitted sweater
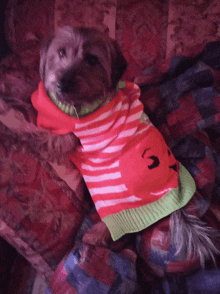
{"points": [[132, 176]]}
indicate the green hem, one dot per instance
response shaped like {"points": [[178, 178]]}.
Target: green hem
{"points": [[136, 219]]}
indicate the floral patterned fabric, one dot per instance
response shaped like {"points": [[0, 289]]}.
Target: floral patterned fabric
{"points": [[142, 35], [191, 25], [141, 31], [39, 213], [99, 14], [28, 23], [148, 31]]}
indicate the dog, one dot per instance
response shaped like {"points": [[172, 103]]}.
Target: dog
{"points": [[80, 69], [79, 65]]}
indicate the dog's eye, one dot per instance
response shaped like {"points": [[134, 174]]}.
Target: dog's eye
{"points": [[92, 59], [62, 53]]}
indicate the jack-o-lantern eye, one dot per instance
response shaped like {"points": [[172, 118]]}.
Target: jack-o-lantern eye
{"points": [[145, 150], [155, 159], [155, 162], [62, 53]]}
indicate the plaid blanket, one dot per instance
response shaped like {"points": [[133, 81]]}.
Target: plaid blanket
{"points": [[187, 113]]}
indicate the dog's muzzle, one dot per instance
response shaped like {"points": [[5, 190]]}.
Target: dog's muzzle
{"points": [[67, 84]]}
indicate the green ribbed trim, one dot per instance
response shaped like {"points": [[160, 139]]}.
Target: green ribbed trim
{"points": [[85, 109], [121, 85], [137, 219]]}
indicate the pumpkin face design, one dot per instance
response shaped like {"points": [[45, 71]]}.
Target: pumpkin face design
{"points": [[149, 169]]}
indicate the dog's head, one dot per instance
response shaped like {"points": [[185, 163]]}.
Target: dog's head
{"points": [[80, 65]]}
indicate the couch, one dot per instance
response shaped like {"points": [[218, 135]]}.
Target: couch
{"points": [[172, 48]]}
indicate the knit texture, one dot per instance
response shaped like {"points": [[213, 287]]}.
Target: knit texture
{"points": [[132, 176]]}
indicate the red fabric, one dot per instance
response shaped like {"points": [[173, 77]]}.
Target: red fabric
{"points": [[39, 213], [51, 117]]}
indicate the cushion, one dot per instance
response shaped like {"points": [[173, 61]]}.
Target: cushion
{"points": [[142, 35], [141, 29], [30, 22], [41, 203], [39, 213]]}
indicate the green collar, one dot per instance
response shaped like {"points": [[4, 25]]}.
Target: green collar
{"points": [[85, 110]]}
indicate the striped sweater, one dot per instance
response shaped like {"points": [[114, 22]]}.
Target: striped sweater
{"points": [[132, 176]]}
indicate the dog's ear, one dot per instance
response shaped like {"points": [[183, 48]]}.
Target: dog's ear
{"points": [[43, 55], [119, 65]]}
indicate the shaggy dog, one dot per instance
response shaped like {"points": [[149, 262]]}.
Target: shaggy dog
{"points": [[79, 65], [80, 69]]}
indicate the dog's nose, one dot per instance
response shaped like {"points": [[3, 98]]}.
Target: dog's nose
{"points": [[66, 84]]}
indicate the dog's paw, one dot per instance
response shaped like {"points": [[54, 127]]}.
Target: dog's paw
{"points": [[15, 121]]}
